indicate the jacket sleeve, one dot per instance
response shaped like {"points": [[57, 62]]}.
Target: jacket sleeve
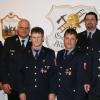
{"points": [[20, 75], [4, 62], [1, 49], [52, 73]]}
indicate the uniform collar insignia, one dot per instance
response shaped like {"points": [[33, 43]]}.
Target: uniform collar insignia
{"points": [[72, 53], [29, 51], [68, 72], [17, 39]]}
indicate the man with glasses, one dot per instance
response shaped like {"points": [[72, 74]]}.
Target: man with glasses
{"points": [[13, 48]]}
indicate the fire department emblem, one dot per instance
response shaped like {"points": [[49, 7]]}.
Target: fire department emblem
{"points": [[64, 17]]}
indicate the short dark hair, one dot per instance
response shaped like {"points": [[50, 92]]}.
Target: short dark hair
{"points": [[71, 31], [91, 13], [37, 30]]}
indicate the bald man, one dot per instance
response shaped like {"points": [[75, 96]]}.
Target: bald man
{"points": [[13, 48]]}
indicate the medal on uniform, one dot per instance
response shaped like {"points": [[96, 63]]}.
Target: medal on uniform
{"points": [[68, 72], [43, 71], [16, 39], [85, 66]]}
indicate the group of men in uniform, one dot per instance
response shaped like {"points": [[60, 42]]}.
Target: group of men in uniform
{"points": [[30, 71]]}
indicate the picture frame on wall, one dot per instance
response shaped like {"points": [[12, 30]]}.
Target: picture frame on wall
{"points": [[9, 25]]}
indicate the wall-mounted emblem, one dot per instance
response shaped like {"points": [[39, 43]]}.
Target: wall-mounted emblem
{"points": [[9, 24], [64, 17]]}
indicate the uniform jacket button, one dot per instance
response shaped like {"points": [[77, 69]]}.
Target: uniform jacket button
{"points": [[35, 86]]}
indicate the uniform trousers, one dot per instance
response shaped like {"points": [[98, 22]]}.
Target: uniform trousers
{"points": [[93, 97]]}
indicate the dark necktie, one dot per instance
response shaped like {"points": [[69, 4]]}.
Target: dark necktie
{"points": [[23, 46], [89, 36], [65, 54], [37, 53]]}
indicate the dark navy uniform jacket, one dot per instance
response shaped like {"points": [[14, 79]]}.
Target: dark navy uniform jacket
{"points": [[1, 47], [37, 74], [70, 76], [92, 49], [10, 58], [93, 72], [84, 44]]}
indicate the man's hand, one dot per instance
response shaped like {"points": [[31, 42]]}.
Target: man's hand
{"points": [[7, 88], [22, 96], [51, 96], [0, 86], [86, 88]]}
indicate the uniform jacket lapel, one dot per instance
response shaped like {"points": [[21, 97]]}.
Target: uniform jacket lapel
{"points": [[17, 41], [42, 54], [69, 57]]}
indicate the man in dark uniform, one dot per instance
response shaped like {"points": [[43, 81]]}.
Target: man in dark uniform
{"points": [[89, 38], [70, 69], [1, 47], [93, 44], [13, 48], [93, 74], [38, 70]]}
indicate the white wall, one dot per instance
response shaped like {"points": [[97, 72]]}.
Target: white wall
{"points": [[36, 10]]}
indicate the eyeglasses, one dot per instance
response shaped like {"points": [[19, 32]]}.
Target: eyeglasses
{"points": [[26, 28]]}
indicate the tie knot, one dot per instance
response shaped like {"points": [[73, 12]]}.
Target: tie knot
{"points": [[36, 53], [23, 43], [65, 53], [36, 50]]}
